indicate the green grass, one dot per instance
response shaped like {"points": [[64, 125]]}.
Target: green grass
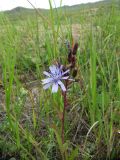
{"points": [[30, 117]]}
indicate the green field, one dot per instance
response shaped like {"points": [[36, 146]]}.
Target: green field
{"points": [[31, 118]]}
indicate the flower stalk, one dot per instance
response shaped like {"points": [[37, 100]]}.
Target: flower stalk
{"points": [[63, 114]]}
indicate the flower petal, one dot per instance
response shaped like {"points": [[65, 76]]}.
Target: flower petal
{"points": [[48, 80], [71, 80], [65, 77], [52, 69], [61, 67], [47, 73], [65, 72], [55, 87], [46, 86], [62, 86]]}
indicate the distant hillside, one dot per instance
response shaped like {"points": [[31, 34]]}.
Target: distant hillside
{"points": [[92, 4], [21, 13]]}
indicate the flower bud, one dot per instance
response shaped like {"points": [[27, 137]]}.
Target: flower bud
{"points": [[74, 74], [70, 56], [75, 47], [73, 61]]}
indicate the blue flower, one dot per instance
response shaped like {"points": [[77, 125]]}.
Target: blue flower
{"points": [[55, 76]]}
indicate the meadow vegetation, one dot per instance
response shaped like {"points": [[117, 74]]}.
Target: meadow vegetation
{"points": [[33, 39]]}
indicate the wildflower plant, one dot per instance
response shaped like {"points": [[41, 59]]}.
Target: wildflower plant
{"points": [[62, 76]]}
